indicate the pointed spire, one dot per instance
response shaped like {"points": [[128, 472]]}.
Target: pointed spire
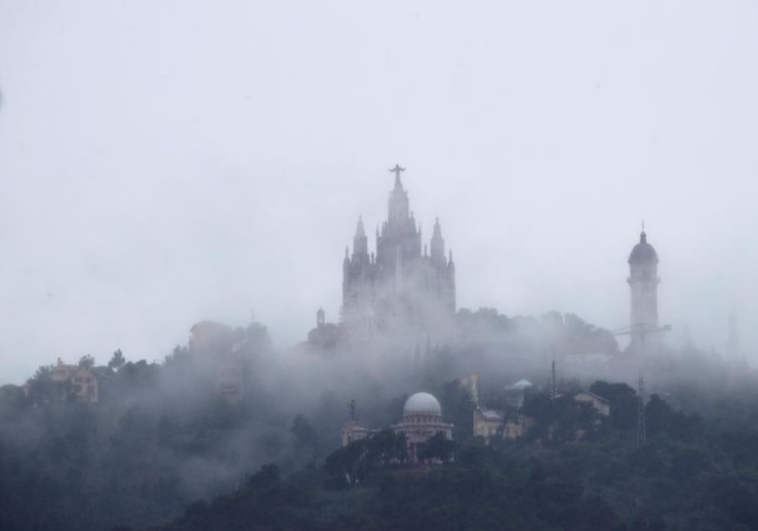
{"points": [[437, 229], [360, 242], [438, 244], [399, 211], [643, 234]]}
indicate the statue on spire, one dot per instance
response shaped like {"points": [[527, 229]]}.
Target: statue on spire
{"points": [[397, 170]]}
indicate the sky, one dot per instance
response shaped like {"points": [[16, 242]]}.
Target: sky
{"points": [[165, 162]]}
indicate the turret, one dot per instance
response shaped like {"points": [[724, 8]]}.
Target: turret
{"points": [[438, 244], [320, 318], [360, 241]]}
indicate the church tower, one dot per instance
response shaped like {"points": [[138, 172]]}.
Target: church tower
{"points": [[437, 244], [398, 202], [643, 281]]}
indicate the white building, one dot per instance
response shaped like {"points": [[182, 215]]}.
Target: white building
{"points": [[422, 420]]}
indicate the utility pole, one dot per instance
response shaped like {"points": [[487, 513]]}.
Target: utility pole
{"points": [[554, 386], [641, 428]]}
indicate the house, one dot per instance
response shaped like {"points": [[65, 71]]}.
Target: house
{"points": [[600, 404]]}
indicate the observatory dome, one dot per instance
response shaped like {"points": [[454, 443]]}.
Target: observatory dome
{"points": [[422, 404]]}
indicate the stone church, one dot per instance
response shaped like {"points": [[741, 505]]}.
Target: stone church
{"points": [[403, 289]]}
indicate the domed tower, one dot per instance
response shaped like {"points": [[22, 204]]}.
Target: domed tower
{"points": [[643, 281]]}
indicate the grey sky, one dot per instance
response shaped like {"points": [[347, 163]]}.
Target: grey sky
{"points": [[164, 162]]}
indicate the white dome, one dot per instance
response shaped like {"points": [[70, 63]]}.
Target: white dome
{"points": [[422, 404]]}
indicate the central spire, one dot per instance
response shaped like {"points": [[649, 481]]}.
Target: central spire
{"points": [[397, 170], [398, 203]]}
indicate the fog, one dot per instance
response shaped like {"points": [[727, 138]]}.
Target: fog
{"points": [[164, 163]]}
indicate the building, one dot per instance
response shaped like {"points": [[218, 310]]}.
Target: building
{"points": [[83, 381], [491, 424], [401, 289], [210, 337], [643, 281], [325, 336], [600, 404], [422, 420], [216, 349], [353, 430], [516, 392], [62, 372]]}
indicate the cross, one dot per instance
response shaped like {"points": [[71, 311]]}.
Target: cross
{"points": [[397, 170]]}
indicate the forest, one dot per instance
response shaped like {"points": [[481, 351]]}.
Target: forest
{"points": [[692, 473], [162, 450]]}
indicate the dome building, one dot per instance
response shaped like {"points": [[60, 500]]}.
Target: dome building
{"points": [[422, 420]]}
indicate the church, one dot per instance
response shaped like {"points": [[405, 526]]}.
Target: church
{"points": [[402, 289]]}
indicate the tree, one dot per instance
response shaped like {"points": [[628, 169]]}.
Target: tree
{"points": [[87, 361], [623, 401], [42, 388], [438, 447], [117, 361], [387, 447], [305, 435]]}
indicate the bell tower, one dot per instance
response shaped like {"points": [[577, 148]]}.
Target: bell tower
{"points": [[643, 282]]}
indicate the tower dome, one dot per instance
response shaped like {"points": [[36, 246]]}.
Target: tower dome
{"points": [[643, 253], [422, 404]]}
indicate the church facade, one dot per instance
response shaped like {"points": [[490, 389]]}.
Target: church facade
{"points": [[403, 289]]}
